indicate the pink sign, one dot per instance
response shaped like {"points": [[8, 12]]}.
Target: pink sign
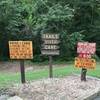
{"points": [[82, 55], [86, 48]]}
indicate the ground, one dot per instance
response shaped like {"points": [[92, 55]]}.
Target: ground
{"points": [[67, 88], [10, 71]]}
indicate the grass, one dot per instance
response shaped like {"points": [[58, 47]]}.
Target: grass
{"points": [[7, 79]]}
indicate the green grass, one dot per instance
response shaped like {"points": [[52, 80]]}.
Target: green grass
{"points": [[7, 79]]}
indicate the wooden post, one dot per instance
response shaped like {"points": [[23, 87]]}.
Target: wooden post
{"points": [[50, 67], [22, 68], [83, 74]]}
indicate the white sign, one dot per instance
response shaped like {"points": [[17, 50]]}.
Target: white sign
{"points": [[85, 47]]}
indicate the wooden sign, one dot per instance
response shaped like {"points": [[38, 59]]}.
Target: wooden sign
{"points": [[45, 52], [50, 47], [50, 36], [86, 48], [20, 49], [50, 44], [85, 63], [51, 41]]}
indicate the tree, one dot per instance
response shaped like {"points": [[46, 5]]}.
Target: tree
{"points": [[74, 20], [87, 18]]}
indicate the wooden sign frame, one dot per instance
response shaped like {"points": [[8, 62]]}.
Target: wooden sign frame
{"points": [[19, 48], [50, 48]]}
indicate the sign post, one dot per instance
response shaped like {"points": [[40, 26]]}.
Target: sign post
{"points": [[50, 48], [21, 50], [84, 61], [22, 68], [50, 67], [83, 74]]}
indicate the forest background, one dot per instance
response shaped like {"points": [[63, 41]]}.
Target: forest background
{"points": [[74, 20]]}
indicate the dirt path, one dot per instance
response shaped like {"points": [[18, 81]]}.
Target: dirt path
{"points": [[14, 66]]}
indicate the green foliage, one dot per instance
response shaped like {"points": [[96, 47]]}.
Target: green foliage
{"points": [[74, 20], [74, 39], [87, 18], [57, 16]]}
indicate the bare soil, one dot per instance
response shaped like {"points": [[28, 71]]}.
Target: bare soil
{"points": [[14, 66]]}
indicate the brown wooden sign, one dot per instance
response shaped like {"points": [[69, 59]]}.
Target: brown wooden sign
{"points": [[50, 47], [50, 44], [50, 36], [20, 49], [45, 52], [51, 41]]}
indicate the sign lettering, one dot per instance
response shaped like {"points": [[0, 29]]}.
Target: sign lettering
{"points": [[85, 63], [85, 47], [20, 49], [50, 44]]}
